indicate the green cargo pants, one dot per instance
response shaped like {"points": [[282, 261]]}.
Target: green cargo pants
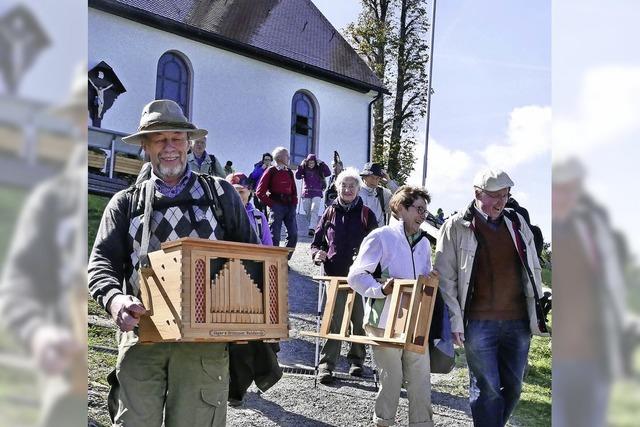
{"points": [[184, 384]]}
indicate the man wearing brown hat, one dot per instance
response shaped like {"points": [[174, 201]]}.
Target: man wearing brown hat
{"points": [[490, 279], [178, 383], [375, 196]]}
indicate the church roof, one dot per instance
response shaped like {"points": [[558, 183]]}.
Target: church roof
{"points": [[289, 33]]}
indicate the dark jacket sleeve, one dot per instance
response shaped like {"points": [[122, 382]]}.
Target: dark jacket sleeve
{"points": [[324, 169], [263, 187], [319, 242], [110, 253]]}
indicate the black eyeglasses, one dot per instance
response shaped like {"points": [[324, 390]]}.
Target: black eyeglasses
{"points": [[419, 209]]}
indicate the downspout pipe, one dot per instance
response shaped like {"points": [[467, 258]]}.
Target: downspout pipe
{"points": [[370, 119]]}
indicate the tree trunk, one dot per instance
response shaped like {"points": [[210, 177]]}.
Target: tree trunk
{"points": [[380, 11], [393, 166]]}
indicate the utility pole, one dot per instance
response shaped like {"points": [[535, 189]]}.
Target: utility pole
{"points": [[426, 138]]}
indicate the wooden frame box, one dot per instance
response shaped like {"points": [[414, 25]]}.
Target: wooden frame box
{"points": [[412, 304], [215, 291]]}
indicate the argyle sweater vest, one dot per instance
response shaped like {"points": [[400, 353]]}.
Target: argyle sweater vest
{"points": [[189, 214]]}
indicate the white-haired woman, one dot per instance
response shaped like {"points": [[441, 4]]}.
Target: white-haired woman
{"points": [[336, 241], [277, 189], [399, 251]]}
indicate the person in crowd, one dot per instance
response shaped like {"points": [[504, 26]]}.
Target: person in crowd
{"points": [[396, 251], [256, 360], [490, 279], [254, 178], [201, 161], [228, 168], [375, 196], [168, 383], [312, 172], [277, 189], [332, 192], [257, 219], [337, 239]]}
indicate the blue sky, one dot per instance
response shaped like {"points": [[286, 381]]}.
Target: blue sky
{"points": [[491, 107]]}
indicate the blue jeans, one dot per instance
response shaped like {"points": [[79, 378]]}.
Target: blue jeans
{"points": [[496, 353], [284, 213]]}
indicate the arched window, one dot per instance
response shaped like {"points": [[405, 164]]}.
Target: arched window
{"points": [[174, 80], [303, 127]]}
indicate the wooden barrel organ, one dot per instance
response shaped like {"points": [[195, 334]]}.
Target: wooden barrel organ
{"points": [[215, 291]]}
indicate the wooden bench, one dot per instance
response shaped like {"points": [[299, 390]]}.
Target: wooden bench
{"points": [[105, 186], [96, 159], [127, 165]]}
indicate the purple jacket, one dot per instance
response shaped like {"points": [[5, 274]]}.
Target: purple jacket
{"points": [[254, 177], [340, 233], [263, 230], [312, 179]]}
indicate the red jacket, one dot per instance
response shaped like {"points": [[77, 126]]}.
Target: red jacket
{"points": [[277, 186]]}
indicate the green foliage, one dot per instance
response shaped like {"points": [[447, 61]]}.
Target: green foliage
{"points": [[391, 37], [534, 408], [96, 207]]}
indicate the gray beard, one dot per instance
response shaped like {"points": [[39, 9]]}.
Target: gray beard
{"points": [[168, 172]]}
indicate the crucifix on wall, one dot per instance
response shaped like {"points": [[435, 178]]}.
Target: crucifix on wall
{"points": [[104, 88]]}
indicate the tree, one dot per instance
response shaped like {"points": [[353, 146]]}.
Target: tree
{"points": [[370, 36], [391, 37]]}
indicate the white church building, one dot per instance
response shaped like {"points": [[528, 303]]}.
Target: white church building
{"points": [[255, 73]]}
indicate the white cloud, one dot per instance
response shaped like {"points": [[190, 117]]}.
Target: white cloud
{"points": [[607, 110], [528, 136], [448, 170]]}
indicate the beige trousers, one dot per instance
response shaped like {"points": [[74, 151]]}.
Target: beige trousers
{"points": [[399, 368]]}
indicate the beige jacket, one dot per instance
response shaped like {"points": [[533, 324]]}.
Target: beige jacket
{"points": [[455, 251]]}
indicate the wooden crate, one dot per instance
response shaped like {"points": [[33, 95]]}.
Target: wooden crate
{"points": [[127, 165], [96, 159], [409, 320], [215, 291]]}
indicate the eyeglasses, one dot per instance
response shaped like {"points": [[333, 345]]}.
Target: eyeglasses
{"points": [[419, 209], [498, 196]]}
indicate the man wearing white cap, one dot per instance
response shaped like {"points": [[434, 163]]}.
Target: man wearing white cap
{"points": [[170, 383], [490, 278]]}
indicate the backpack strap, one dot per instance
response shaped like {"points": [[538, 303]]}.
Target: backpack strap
{"points": [[149, 190], [364, 216], [213, 191], [380, 196], [258, 221]]}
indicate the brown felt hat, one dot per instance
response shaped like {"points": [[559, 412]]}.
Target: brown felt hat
{"points": [[163, 115]]}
